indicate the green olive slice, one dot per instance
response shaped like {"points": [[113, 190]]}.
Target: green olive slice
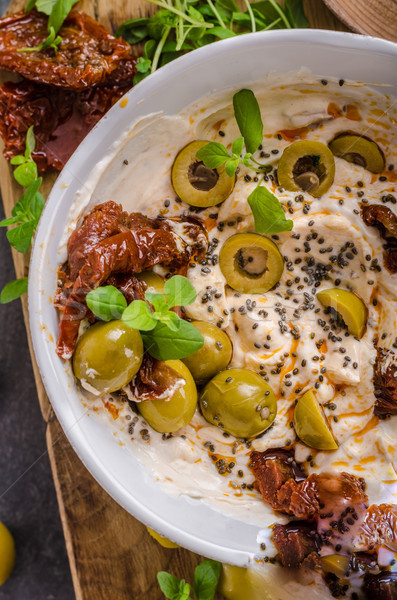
{"points": [[240, 402], [213, 356], [195, 183], [250, 263], [306, 166], [310, 423], [360, 150], [170, 415], [338, 564], [349, 306], [107, 356]]}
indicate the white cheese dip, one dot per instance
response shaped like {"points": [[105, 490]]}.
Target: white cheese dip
{"points": [[284, 334]]}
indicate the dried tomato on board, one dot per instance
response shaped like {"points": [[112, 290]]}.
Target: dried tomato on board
{"points": [[61, 118], [88, 55]]}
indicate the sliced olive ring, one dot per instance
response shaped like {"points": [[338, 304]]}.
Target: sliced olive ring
{"points": [[306, 166], [360, 150], [349, 306], [311, 425], [195, 183], [250, 263]]}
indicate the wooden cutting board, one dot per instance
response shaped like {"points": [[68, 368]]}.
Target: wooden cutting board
{"points": [[112, 557]]}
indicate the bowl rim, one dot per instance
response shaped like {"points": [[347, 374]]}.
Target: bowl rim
{"points": [[36, 301]]}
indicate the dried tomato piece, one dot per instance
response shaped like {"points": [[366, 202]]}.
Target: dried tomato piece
{"points": [[382, 586], [155, 380], [379, 526], [61, 119], [385, 383], [382, 217], [295, 542], [87, 55]]}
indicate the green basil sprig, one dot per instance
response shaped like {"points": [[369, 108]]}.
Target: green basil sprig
{"points": [[269, 216], [206, 577], [165, 335], [57, 11], [26, 213]]}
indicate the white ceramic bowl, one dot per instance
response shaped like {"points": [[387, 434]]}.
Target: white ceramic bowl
{"points": [[232, 63]]}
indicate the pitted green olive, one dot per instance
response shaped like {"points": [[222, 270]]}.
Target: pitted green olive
{"points": [[195, 183], [307, 166], [167, 416], [250, 263], [108, 355], [311, 425], [240, 402], [360, 150], [155, 283], [349, 306], [213, 356]]}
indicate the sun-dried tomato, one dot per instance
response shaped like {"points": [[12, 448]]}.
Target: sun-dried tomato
{"points": [[155, 380], [61, 118], [382, 217], [88, 55]]}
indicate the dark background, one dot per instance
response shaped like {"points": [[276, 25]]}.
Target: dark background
{"points": [[28, 505]]}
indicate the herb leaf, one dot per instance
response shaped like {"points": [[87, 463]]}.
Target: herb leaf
{"points": [[295, 13], [268, 213], [179, 291], [13, 290], [26, 173], [59, 12], [20, 237], [169, 584], [231, 166], [206, 576], [184, 590], [163, 343], [237, 146], [158, 301], [138, 315], [249, 120], [213, 154], [106, 302]]}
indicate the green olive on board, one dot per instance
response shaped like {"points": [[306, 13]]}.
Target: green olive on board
{"points": [[195, 183], [240, 402], [349, 306], [167, 416], [359, 150], [213, 356], [108, 355], [338, 564], [155, 283], [310, 423], [7, 553], [306, 166], [250, 263]]}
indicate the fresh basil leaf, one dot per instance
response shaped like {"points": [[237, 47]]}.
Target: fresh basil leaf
{"points": [[133, 31], [18, 160], [158, 301], [249, 120], [149, 49], [206, 576], [10, 221], [59, 12], [30, 5], [267, 9], [13, 289], [30, 141], [45, 6], [143, 64], [228, 7], [221, 33], [169, 584], [20, 237], [106, 302], [184, 590], [179, 291], [164, 344], [138, 315], [295, 13], [36, 206], [170, 319], [26, 173], [213, 154], [231, 166], [268, 213], [237, 146], [160, 19], [30, 204]]}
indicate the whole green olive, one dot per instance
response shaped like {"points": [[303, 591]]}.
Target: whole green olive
{"points": [[108, 355], [240, 402], [155, 283], [213, 356], [170, 415]]}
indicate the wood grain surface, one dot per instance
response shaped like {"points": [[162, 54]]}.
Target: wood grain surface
{"points": [[373, 17], [112, 557]]}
